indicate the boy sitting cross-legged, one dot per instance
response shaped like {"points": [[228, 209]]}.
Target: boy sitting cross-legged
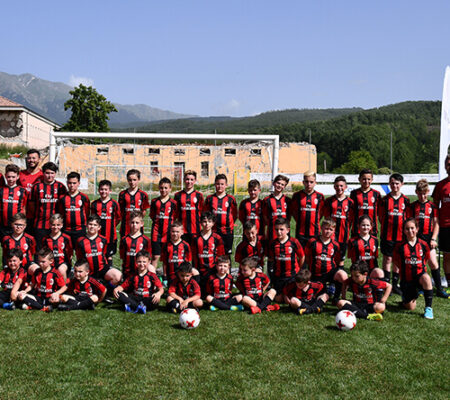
{"points": [[83, 291], [142, 291]]}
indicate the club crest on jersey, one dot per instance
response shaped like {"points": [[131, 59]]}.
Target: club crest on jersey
{"points": [[80, 202], [346, 208], [169, 209], [63, 245], [110, 210], [227, 204], [51, 281], [332, 251], [420, 252], [148, 284], [290, 250], [100, 245], [316, 201], [141, 246], [372, 199], [429, 211], [139, 202], [402, 206], [194, 199], [25, 246]]}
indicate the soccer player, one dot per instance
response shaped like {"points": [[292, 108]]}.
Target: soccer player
{"points": [[340, 209], [224, 207], [74, 206], [61, 245], [131, 199], [251, 208], [108, 210], [47, 285], [254, 288], [189, 207], [411, 257], [43, 201], [142, 291], [83, 291], [251, 245], [133, 243], [323, 256], [287, 255], [392, 213], [13, 199], [307, 209], [163, 210], [425, 213], [304, 296], [365, 201], [93, 247], [369, 295], [184, 292], [441, 198], [8, 277], [219, 288]]}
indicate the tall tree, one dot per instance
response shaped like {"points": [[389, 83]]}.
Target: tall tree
{"points": [[90, 110]]}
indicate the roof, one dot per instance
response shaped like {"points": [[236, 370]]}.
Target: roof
{"points": [[4, 102]]}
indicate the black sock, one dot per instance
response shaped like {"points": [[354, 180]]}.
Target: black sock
{"points": [[387, 275], [395, 278], [85, 304], [337, 292], [174, 304], [320, 303], [436, 274], [124, 298], [220, 304], [72, 304], [264, 303], [428, 296], [32, 303], [355, 310], [378, 295]]}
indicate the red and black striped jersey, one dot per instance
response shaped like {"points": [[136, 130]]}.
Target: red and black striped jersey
{"points": [[25, 243], [441, 198], [61, 247], [89, 287], [128, 203], [206, 251], [365, 293], [341, 211], [46, 283], [307, 210], [172, 255], [189, 209], [45, 198], [365, 203], [185, 291], [252, 211], [322, 257], [424, 213], [2, 180], [163, 215], [220, 288], [109, 212], [253, 287], [75, 210], [129, 247], [364, 250], [273, 208], [142, 285], [8, 278], [411, 260], [286, 257], [307, 294], [225, 210], [245, 249], [392, 213], [94, 251], [14, 200]]}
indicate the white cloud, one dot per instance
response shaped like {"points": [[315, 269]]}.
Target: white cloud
{"points": [[76, 80]]}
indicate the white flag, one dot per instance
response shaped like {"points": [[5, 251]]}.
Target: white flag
{"points": [[445, 124]]}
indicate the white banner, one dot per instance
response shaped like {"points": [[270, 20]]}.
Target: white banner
{"points": [[445, 124]]}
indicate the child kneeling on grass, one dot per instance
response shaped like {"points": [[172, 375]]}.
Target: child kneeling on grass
{"points": [[253, 287], [142, 291], [9, 276], [369, 301]]}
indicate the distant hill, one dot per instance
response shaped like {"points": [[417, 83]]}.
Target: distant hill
{"points": [[47, 98]]}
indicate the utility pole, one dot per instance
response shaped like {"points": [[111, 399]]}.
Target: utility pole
{"points": [[391, 151]]}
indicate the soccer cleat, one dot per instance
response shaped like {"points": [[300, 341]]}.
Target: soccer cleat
{"points": [[396, 289], [213, 308], [128, 308], [375, 317], [238, 307], [428, 314], [47, 308], [63, 307], [141, 309], [26, 307], [272, 307], [318, 310], [439, 293], [174, 310], [420, 293], [301, 311], [255, 310], [331, 289], [9, 306]]}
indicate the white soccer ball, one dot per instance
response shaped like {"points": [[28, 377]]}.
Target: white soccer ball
{"points": [[345, 320], [189, 318]]}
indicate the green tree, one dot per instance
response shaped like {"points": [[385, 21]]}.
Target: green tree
{"points": [[358, 160], [90, 111]]}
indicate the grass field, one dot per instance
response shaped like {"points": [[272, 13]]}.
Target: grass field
{"points": [[109, 354]]}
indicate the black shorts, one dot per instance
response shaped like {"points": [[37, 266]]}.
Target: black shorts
{"points": [[156, 248], [39, 235], [364, 307], [326, 278], [342, 250], [303, 240], [387, 247], [444, 240], [279, 283], [189, 238], [111, 249], [75, 235], [410, 290], [426, 238], [227, 242], [101, 274], [5, 296], [4, 231]]}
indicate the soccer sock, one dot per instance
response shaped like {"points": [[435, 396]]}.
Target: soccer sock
{"points": [[436, 274], [355, 310], [124, 298], [265, 302], [220, 304], [378, 294], [320, 303], [337, 292], [447, 276], [85, 304], [387, 275], [174, 304], [395, 278], [32, 303], [428, 296], [270, 266]]}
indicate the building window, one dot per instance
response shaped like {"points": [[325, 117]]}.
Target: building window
{"points": [[255, 152], [205, 152], [154, 170], [102, 150], [128, 151], [179, 152], [230, 152], [153, 151], [205, 169]]}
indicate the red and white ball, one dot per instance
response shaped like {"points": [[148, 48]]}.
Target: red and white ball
{"points": [[345, 320], [189, 318]]}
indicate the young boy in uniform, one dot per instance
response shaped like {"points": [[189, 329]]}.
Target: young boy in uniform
{"points": [[219, 288], [304, 296], [83, 291], [224, 207], [251, 245], [392, 213], [131, 199], [251, 208], [142, 291], [163, 210], [108, 210], [8, 277], [184, 291], [369, 301]]}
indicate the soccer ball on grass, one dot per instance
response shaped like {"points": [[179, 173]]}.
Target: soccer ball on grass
{"points": [[345, 320], [189, 318]]}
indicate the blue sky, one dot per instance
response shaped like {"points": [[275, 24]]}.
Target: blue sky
{"points": [[235, 57]]}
